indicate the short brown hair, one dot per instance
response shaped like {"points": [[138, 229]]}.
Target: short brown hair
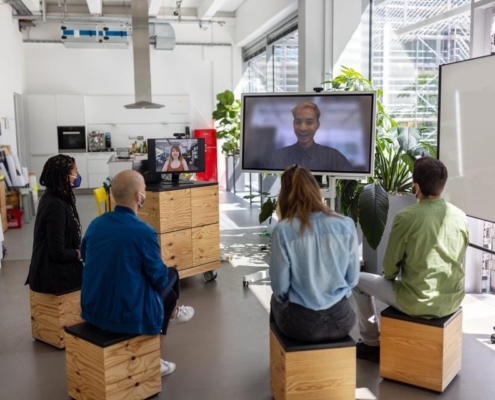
{"points": [[307, 104], [431, 175], [300, 196]]}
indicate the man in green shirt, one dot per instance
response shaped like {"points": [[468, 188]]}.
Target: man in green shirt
{"points": [[426, 247]]}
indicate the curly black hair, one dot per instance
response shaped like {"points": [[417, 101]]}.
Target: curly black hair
{"points": [[55, 176]]}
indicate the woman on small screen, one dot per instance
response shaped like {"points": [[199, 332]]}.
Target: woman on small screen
{"points": [[314, 263], [176, 162]]}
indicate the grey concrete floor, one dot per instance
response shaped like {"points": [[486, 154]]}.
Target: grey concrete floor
{"points": [[222, 353]]}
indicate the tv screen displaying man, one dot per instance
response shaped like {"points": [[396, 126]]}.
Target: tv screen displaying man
{"points": [[305, 152], [328, 133]]}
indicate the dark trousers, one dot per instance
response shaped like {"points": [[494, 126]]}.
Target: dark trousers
{"points": [[170, 296], [301, 323]]}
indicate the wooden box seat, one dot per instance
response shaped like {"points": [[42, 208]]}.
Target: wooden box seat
{"points": [[106, 365], [420, 352], [50, 314], [310, 371]]}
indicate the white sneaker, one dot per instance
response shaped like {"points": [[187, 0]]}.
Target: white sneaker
{"points": [[184, 314], [167, 367]]}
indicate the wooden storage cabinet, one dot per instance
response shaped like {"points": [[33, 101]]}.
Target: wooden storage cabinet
{"points": [[187, 223], [176, 248], [3, 205]]}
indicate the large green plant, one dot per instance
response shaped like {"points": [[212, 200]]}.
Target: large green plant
{"points": [[228, 118], [396, 149]]}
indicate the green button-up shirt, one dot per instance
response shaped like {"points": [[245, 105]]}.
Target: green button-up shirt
{"points": [[427, 245]]}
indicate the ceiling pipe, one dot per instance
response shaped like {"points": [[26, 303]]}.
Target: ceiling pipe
{"points": [[114, 19]]}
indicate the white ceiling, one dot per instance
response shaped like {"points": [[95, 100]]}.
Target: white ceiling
{"points": [[189, 8]]}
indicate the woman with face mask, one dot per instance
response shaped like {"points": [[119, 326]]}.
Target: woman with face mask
{"points": [[56, 265]]}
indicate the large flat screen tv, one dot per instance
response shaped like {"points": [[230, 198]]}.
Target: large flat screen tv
{"points": [[176, 156], [330, 133]]}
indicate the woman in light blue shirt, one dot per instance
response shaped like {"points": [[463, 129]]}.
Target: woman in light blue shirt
{"points": [[314, 263]]}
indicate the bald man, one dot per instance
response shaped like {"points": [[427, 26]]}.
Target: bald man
{"points": [[126, 286]]}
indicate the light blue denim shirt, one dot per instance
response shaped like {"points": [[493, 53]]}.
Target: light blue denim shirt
{"points": [[317, 269]]}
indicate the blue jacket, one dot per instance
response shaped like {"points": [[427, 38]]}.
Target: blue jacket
{"points": [[123, 274], [315, 270]]}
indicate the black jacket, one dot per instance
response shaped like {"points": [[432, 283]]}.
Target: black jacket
{"points": [[55, 267]]}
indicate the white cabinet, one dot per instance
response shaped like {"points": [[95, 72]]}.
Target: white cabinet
{"points": [[98, 170], [82, 166], [111, 110], [70, 110], [37, 164], [42, 124]]}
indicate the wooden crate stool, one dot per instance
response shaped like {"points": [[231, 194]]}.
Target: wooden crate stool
{"points": [[310, 371], [50, 314], [420, 352], [103, 365]]}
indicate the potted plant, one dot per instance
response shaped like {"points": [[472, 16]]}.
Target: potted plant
{"points": [[374, 203], [227, 116]]}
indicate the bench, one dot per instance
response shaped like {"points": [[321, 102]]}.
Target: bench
{"points": [[421, 352], [50, 314], [103, 365], [305, 370]]}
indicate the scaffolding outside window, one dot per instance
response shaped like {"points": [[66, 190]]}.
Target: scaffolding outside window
{"points": [[271, 64], [410, 39]]}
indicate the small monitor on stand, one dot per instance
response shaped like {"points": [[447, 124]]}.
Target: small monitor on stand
{"points": [[172, 157]]}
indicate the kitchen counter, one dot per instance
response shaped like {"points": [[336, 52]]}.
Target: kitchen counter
{"points": [[135, 157], [117, 165]]}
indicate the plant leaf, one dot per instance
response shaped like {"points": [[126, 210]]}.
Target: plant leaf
{"points": [[373, 211], [267, 209], [408, 138]]}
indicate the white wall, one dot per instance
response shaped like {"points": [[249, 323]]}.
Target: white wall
{"points": [[11, 72], [256, 17], [200, 71]]}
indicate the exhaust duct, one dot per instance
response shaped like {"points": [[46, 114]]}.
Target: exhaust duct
{"points": [[141, 53]]}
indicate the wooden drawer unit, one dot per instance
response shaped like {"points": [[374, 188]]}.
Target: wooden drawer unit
{"points": [[176, 248], [187, 223], [167, 211], [3, 206], [206, 244], [204, 204]]}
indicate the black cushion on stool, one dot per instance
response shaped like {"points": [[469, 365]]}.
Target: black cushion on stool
{"points": [[97, 336], [393, 313], [295, 345]]}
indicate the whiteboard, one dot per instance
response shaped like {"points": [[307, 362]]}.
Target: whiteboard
{"points": [[466, 138]]}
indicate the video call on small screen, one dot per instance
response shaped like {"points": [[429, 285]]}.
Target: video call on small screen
{"points": [[344, 132], [189, 149]]}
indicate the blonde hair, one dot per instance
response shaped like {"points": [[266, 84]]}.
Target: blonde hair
{"points": [[300, 196], [307, 104]]}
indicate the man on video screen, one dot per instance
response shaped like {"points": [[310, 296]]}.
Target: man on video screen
{"points": [[306, 152]]}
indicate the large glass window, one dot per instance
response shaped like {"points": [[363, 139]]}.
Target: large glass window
{"points": [[255, 75], [285, 64], [273, 66], [410, 39]]}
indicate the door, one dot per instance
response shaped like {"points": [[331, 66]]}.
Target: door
{"points": [[42, 124], [21, 131]]}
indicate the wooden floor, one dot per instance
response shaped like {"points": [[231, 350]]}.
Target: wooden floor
{"points": [[221, 354]]}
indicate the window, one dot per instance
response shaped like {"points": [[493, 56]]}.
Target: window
{"points": [[271, 64], [411, 38]]}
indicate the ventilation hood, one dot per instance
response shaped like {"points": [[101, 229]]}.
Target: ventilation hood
{"points": [[141, 50]]}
